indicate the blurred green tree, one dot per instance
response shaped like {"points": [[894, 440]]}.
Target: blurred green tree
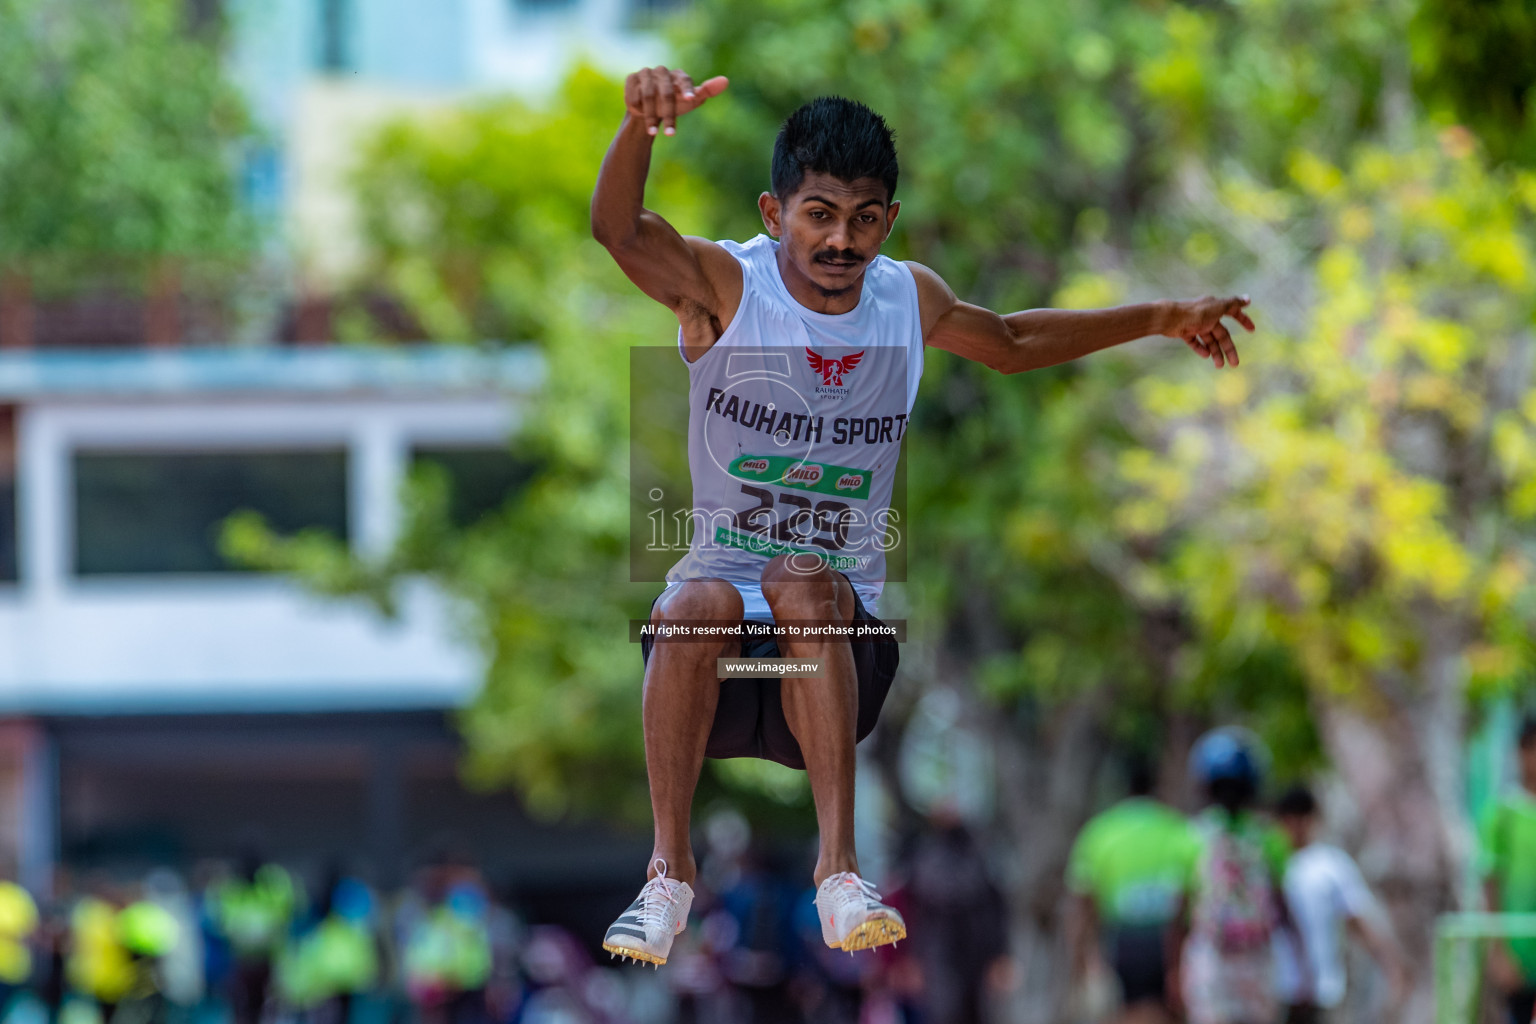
{"points": [[1473, 63], [111, 168], [1364, 494]]}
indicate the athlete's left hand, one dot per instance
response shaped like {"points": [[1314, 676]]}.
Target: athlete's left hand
{"points": [[1198, 323]]}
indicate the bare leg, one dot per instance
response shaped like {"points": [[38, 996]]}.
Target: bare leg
{"points": [[822, 712], [681, 691]]}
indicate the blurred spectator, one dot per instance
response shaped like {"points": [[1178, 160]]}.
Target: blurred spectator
{"points": [[1236, 862], [752, 930], [180, 969], [446, 958], [98, 967], [150, 934], [159, 954], [49, 977], [334, 958], [563, 988], [1127, 874], [1508, 841], [252, 912], [694, 976], [1327, 898], [959, 922], [830, 985], [18, 922]]}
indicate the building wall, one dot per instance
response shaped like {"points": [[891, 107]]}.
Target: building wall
{"points": [[93, 661], [323, 74]]}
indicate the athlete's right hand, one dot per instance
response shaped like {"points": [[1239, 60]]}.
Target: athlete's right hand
{"points": [[657, 97]]}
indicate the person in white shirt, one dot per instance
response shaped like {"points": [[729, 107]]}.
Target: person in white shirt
{"points": [[1328, 899]]}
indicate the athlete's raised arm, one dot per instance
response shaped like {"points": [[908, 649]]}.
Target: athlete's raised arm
{"points": [[1045, 337], [693, 277]]}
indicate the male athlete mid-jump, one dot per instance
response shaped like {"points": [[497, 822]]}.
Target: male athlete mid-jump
{"points": [[792, 464]]}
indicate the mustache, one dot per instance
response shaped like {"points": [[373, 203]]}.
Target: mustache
{"points": [[841, 255]]}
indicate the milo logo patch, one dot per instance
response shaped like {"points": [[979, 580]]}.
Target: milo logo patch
{"points": [[787, 471], [808, 474]]}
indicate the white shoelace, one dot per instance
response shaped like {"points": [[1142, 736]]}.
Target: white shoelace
{"points": [[851, 896], [654, 898]]}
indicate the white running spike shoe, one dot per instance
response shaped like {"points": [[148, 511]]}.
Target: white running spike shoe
{"points": [[852, 916], [645, 931]]}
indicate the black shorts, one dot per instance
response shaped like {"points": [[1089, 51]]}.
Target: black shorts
{"points": [[749, 720], [1522, 1006], [1139, 957]]}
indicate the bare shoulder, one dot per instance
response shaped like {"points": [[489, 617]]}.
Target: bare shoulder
{"points": [[934, 297]]}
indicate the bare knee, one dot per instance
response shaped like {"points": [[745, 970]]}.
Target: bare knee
{"points": [[700, 600], [799, 586]]}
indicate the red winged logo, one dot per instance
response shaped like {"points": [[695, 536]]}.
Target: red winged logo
{"points": [[832, 370]]}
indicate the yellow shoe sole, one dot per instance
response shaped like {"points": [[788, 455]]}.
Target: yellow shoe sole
{"points": [[875, 932], [635, 954]]}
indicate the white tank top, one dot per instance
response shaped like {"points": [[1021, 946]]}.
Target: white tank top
{"points": [[795, 421]]}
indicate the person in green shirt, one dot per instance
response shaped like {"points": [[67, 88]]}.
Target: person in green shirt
{"points": [[252, 911], [1127, 874], [1508, 842]]}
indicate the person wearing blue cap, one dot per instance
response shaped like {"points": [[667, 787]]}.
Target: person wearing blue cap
{"points": [[1234, 906]]}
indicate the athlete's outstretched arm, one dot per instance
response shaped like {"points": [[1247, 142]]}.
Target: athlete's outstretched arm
{"points": [[691, 276], [1045, 337]]}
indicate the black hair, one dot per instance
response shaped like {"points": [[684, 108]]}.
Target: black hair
{"points": [[1140, 776], [1528, 732], [1296, 802], [1232, 794], [835, 136]]}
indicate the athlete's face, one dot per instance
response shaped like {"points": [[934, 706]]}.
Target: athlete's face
{"points": [[830, 229]]}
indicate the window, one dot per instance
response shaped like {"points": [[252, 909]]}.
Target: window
{"points": [[479, 479], [161, 512], [335, 27], [7, 530], [541, 6], [649, 15], [7, 494]]}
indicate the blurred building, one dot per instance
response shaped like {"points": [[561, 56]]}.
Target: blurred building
{"points": [[160, 704], [322, 74]]}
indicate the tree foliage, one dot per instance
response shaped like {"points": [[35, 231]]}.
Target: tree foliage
{"points": [[109, 163]]}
